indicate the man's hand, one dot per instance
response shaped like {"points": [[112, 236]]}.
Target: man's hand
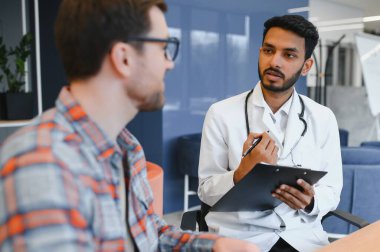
{"points": [[295, 198], [265, 151], [229, 244]]}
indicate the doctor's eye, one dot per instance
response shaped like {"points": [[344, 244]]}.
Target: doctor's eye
{"points": [[266, 50], [291, 55]]}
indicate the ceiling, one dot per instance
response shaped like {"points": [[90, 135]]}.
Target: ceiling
{"points": [[370, 8]]}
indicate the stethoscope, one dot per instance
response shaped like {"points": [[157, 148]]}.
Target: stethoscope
{"points": [[300, 116]]}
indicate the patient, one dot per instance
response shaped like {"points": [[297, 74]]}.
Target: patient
{"points": [[75, 179]]}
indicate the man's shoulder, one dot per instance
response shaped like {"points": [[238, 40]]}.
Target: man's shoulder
{"points": [[317, 109], [37, 139]]}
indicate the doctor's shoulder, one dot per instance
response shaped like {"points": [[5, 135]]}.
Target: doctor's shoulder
{"points": [[229, 108], [317, 111]]}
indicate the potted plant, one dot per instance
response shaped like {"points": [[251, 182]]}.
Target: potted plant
{"points": [[18, 103], [3, 112]]}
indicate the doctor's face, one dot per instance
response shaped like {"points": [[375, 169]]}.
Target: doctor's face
{"points": [[282, 60]]}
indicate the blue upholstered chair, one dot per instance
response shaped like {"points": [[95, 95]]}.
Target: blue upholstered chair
{"points": [[372, 144], [354, 159], [188, 148], [360, 156], [343, 135], [361, 173]]}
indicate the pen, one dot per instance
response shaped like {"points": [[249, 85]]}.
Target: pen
{"points": [[255, 142]]}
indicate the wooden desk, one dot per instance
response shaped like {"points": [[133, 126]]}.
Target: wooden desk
{"points": [[366, 239]]}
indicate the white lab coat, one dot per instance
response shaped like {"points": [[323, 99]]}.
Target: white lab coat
{"points": [[224, 133]]}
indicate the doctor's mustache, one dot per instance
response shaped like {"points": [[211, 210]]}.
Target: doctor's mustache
{"points": [[274, 72]]}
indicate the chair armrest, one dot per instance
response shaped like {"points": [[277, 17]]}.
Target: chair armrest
{"points": [[189, 220], [350, 218]]}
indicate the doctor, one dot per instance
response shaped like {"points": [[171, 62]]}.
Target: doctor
{"points": [[295, 131]]}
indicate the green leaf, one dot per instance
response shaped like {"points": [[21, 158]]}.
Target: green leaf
{"points": [[16, 56]]}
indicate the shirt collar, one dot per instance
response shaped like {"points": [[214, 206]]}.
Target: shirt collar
{"points": [[85, 127], [286, 106], [259, 101]]}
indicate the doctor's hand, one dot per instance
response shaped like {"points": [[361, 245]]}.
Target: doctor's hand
{"points": [[225, 244], [295, 198], [265, 151]]}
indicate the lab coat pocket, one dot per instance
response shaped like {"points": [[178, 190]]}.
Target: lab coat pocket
{"points": [[247, 215], [265, 219], [309, 156]]}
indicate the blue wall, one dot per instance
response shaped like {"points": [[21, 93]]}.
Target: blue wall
{"points": [[220, 40]]}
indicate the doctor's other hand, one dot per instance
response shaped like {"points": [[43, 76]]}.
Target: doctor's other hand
{"points": [[265, 151], [295, 198], [225, 244]]}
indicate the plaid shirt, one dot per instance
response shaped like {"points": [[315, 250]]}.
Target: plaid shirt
{"points": [[59, 182]]}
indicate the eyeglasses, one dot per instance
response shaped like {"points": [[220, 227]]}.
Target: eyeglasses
{"points": [[171, 48]]}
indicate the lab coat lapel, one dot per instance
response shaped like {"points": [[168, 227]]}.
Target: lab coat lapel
{"points": [[268, 122], [258, 100], [294, 127]]}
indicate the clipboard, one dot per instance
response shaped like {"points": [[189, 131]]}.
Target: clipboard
{"points": [[254, 191]]}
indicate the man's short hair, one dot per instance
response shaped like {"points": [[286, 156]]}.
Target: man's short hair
{"points": [[298, 25], [86, 30]]}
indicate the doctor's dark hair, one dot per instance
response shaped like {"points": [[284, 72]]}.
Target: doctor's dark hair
{"points": [[86, 30], [298, 25]]}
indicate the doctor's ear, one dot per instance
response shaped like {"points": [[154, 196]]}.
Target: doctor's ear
{"points": [[121, 58], [307, 66]]}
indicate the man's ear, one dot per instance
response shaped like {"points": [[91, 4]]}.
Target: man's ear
{"points": [[307, 66], [121, 57]]}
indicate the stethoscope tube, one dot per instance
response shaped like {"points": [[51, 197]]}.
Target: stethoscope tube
{"points": [[300, 115], [246, 111]]}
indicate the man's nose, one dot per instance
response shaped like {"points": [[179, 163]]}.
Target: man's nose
{"points": [[276, 60], [169, 64]]}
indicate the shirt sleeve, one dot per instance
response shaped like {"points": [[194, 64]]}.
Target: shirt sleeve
{"points": [[39, 205], [173, 239]]}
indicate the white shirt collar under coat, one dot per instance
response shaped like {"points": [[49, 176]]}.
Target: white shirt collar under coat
{"points": [[258, 100], [294, 126]]}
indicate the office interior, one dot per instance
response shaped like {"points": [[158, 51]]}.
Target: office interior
{"points": [[220, 41]]}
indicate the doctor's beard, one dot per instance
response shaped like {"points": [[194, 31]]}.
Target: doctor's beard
{"points": [[288, 83]]}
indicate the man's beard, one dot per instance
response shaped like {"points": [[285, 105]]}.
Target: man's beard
{"points": [[155, 102], [146, 101], [289, 83]]}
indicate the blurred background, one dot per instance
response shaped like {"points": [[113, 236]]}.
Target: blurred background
{"points": [[218, 57]]}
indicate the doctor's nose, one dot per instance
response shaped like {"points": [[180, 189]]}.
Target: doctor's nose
{"points": [[276, 61]]}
